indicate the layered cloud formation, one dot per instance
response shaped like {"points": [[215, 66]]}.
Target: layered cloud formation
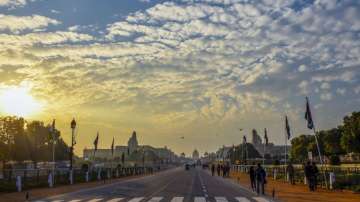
{"points": [[192, 67]]}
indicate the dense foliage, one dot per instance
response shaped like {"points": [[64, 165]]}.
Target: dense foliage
{"points": [[333, 142], [21, 140]]}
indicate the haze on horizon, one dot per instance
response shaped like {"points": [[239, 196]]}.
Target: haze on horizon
{"points": [[201, 69]]}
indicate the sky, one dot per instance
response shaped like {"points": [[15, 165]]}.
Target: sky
{"points": [[201, 69]]}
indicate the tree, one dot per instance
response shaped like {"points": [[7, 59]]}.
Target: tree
{"points": [[330, 142], [239, 152], [350, 140], [21, 141], [300, 147], [12, 135]]}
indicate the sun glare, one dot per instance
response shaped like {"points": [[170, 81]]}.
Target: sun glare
{"points": [[18, 101]]}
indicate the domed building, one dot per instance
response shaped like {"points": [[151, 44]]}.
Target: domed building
{"points": [[195, 155]]}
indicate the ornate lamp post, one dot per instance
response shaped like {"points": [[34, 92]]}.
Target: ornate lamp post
{"points": [[73, 126]]}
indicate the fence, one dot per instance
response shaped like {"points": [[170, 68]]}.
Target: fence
{"points": [[342, 177], [31, 178]]}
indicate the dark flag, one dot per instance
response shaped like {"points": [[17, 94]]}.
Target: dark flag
{"points": [[308, 117], [96, 141], [287, 128], [244, 140], [266, 137], [112, 147], [128, 151], [52, 130], [53, 126]]}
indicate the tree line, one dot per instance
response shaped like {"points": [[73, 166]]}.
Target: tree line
{"points": [[22, 140], [333, 142]]}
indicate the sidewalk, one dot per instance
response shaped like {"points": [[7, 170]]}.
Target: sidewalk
{"points": [[39, 193], [298, 193]]}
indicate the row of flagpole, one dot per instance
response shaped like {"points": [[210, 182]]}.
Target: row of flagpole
{"points": [[310, 125]]}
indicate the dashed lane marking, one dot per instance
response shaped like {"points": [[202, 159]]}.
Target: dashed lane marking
{"points": [[199, 199], [242, 199], [115, 200], [177, 199], [137, 199], [221, 199], [260, 199], [95, 200], [155, 199]]}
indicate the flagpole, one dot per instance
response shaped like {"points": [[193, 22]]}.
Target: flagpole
{"points": [[265, 136], [53, 151], [317, 144], [320, 157], [264, 156], [53, 174]]}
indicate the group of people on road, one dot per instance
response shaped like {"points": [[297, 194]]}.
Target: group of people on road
{"points": [[311, 173], [257, 178], [258, 175], [221, 170]]}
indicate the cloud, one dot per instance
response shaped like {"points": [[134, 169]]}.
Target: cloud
{"points": [[20, 23], [326, 96], [341, 91], [7, 40], [302, 68], [191, 62], [12, 3]]}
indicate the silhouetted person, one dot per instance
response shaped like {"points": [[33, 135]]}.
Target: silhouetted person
{"points": [[227, 170], [212, 169], [222, 170], [252, 176], [103, 175], [291, 171], [218, 169], [309, 175], [260, 179], [315, 172]]}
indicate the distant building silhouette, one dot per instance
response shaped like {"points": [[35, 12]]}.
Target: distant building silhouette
{"points": [[132, 150], [256, 139], [195, 155], [133, 143]]}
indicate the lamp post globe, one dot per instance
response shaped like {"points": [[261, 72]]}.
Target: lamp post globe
{"points": [[73, 124]]}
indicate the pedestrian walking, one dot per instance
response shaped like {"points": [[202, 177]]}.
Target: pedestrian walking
{"points": [[252, 177], [260, 179], [227, 170], [222, 170], [309, 175], [103, 175], [291, 172], [218, 169], [212, 169], [315, 172]]}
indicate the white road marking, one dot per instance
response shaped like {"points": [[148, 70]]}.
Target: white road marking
{"points": [[75, 200], [95, 200], [242, 199], [177, 199], [221, 199], [115, 200], [137, 199], [199, 199], [156, 199], [260, 199]]}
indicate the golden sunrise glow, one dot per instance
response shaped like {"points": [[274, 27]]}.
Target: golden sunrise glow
{"points": [[18, 101]]}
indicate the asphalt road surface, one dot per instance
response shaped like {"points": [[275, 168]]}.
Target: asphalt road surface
{"points": [[175, 185]]}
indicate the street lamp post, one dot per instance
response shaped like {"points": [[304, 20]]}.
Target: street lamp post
{"points": [[73, 126]]}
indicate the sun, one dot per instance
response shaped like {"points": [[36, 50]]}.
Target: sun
{"points": [[18, 101]]}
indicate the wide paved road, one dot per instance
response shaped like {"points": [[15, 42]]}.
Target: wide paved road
{"points": [[175, 185]]}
